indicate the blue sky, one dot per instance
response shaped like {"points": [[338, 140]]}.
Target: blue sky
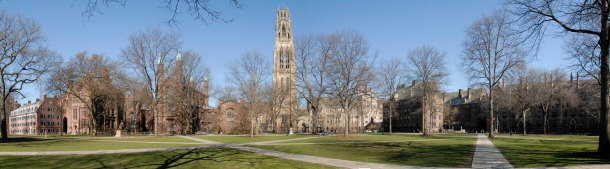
{"points": [[392, 28]]}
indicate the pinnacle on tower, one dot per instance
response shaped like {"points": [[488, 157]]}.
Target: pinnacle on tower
{"points": [[159, 60], [178, 56]]}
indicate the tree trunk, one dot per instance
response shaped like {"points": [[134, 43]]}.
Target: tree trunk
{"points": [[345, 110], [604, 131], [3, 125], [423, 113], [545, 120], [391, 110], [524, 123], [491, 112], [156, 118]]}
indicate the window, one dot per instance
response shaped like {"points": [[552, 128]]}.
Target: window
{"points": [[230, 114], [74, 114], [42, 123], [42, 116], [41, 131], [230, 123]]}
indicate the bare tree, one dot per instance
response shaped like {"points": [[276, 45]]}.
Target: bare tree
{"points": [[313, 55], [391, 74], [24, 58], [94, 80], [585, 53], [350, 68], [199, 9], [428, 66], [248, 76], [149, 54], [524, 94], [585, 17], [491, 50], [192, 95]]}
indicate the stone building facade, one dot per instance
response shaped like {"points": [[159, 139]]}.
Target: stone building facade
{"points": [[284, 68], [407, 109], [41, 117], [469, 105]]}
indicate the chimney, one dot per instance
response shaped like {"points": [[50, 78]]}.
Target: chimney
{"points": [[577, 80], [571, 78], [29, 102], [468, 94], [205, 92], [44, 97], [241, 100], [414, 81], [527, 83], [218, 103], [37, 99], [552, 84], [460, 93], [503, 83]]}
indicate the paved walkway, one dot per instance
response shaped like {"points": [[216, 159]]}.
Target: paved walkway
{"points": [[486, 155], [199, 140], [273, 142]]}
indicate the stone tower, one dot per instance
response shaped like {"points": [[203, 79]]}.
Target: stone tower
{"points": [[284, 68]]}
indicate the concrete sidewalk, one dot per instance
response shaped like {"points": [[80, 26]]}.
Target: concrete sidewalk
{"points": [[486, 155]]}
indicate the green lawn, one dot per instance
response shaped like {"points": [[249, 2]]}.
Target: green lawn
{"points": [[434, 153], [72, 144], [201, 158], [149, 139], [558, 137], [367, 137], [540, 153], [247, 139]]}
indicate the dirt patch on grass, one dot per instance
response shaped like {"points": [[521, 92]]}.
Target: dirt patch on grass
{"points": [[345, 138]]}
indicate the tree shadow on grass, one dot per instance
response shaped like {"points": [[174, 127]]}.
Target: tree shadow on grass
{"points": [[22, 139]]}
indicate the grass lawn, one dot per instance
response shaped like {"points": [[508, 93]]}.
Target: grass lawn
{"points": [[559, 137], [149, 139], [434, 153], [247, 139], [540, 153], [71, 144], [201, 158], [368, 137]]}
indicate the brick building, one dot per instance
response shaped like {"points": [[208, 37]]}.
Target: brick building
{"points": [[37, 118]]}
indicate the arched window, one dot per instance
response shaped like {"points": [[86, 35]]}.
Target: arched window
{"points": [[230, 113]]}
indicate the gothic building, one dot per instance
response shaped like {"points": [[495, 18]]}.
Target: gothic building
{"points": [[284, 68], [407, 109]]}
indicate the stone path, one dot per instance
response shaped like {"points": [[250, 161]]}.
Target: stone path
{"points": [[486, 155], [199, 140], [277, 141]]}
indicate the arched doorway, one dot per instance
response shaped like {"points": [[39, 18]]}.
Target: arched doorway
{"points": [[64, 126], [572, 126]]}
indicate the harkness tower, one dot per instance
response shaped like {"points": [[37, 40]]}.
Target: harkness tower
{"points": [[284, 68]]}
